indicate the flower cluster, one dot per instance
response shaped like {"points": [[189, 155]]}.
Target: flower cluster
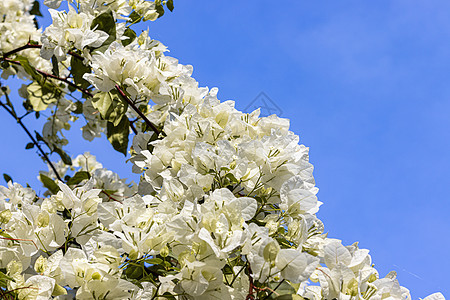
{"points": [[17, 28], [226, 204]]}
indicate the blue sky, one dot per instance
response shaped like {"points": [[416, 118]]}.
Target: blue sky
{"points": [[365, 84]]}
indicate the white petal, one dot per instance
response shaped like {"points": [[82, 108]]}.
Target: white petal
{"points": [[335, 253], [296, 266]]}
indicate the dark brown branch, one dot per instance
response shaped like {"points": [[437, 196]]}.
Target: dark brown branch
{"points": [[33, 46], [110, 197], [19, 121], [272, 291], [147, 121], [76, 55], [66, 81], [24, 47], [47, 75], [133, 128], [251, 286]]}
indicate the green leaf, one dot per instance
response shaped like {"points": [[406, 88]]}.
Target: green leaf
{"points": [[5, 235], [29, 69], [131, 36], [168, 295], [231, 178], [49, 184], [29, 145], [110, 105], [4, 280], [159, 8], [72, 88], [170, 5], [154, 261], [282, 291], [118, 135], [58, 290], [55, 68], [40, 96], [78, 69], [134, 17], [227, 270], [65, 158], [35, 10], [78, 177], [134, 272], [79, 109], [7, 177], [39, 137], [289, 297], [8, 102], [105, 22], [27, 105]]}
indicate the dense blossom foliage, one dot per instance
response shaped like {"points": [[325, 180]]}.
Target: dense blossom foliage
{"points": [[226, 204]]}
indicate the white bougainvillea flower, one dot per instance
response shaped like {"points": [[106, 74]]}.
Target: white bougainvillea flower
{"points": [[69, 30]]}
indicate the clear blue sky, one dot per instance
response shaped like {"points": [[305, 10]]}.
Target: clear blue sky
{"points": [[366, 85]]}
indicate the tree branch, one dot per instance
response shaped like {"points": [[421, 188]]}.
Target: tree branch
{"points": [[33, 46], [85, 91], [32, 138], [272, 291], [147, 121], [133, 128], [24, 47], [251, 286], [47, 75]]}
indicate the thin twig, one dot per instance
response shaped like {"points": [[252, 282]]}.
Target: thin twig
{"points": [[27, 46], [47, 75], [19, 121], [133, 128], [33, 46], [243, 267], [110, 197], [272, 291], [147, 121], [251, 286]]}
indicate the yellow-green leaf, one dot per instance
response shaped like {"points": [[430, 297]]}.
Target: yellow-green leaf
{"points": [[118, 135]]}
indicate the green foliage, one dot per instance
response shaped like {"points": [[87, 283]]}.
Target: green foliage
{"points": [[35, 9], [110, 105], [4, 279], [40, 96], [135, 17], [78, 69], [130, 34], [49, 184], [29, 69], [159, 8], [105, 22], [7, 177], [118, 135], [55, 68], [64, 156], [282, 291], [78, 177], [4, 64], [169, 4]]}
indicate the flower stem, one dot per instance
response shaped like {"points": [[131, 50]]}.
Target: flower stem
{"points": [[19, 121], [147, 121]]}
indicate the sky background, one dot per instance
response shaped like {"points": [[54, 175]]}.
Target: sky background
{"points": [[366, 86]]}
